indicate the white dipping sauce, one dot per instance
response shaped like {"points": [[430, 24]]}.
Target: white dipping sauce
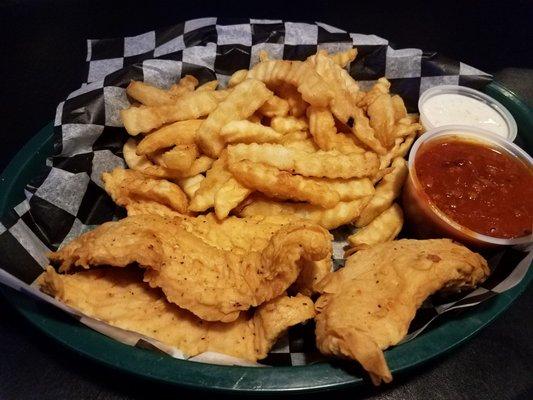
{"points": [[456, 109]]}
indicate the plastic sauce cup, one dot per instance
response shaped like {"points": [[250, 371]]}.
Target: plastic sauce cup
{"points": [[428, 221], [466, 106]]}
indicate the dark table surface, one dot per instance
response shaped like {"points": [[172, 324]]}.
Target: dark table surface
{"points": [[42, 50]]}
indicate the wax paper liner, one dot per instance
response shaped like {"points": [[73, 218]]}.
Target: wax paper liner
{"points": [[67, 198]]}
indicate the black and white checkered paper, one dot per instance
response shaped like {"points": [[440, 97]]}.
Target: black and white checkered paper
{"points": [[67, 197]]}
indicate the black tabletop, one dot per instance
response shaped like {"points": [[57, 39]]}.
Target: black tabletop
{"points": [[42, 50]]}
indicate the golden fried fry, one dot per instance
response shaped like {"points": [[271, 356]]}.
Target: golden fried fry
{"points": [[242, 102], [186, 84], [282, 185], [348, 189], [179, 158], [288, 124], [384, 228], [126, 186], [382, 86], [400, 111], [296, 136], [275, 107], [189, 106], [381, 114], [237, 77], [329, 164], [150, 95], [247, 132], [406, 127], [263, 55], [142, 163], [400, 149], [219, 179], [204, 197], [199, 166], [343, 58], [387, 190], [380, 174], [211, 85], [324, 132], [344, 102], [255, 118], [191, 185], [297, 105], [298, 140], [330, 218], [181, 132], [307, 145], [297, 73], [230, 194]]}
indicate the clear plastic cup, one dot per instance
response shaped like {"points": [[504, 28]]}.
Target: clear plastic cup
{"points": [[425, 219], [473, 94]]}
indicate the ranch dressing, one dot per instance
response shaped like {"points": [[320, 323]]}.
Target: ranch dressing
{"points": [[456, 109]]}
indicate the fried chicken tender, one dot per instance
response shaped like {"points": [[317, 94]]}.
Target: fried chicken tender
{"points": [[120, 298], [242, 235], [214, 284], [368, 305]]}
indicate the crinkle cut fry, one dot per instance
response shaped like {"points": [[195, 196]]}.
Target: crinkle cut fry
{"points": [[181, 132], [282, 184], [241, 103], [219, 190], [190, 106], [149, 95], [329, 218], [245, 131], [147, 167], [344, 102], [126, 186], [324, 132], [387, 190], [384, 228], [298, 73], [328, 164]]}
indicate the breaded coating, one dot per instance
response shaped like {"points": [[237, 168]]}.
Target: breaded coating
{"points": [[214, 284], [120, 298], [368, 305]]}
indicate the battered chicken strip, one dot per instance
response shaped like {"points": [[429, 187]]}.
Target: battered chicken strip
{"points": [[236, 234], [212, 283], [253, 234], [241, 235], [119, 298], [368, 305]]}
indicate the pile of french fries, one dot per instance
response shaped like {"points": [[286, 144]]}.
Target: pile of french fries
{"points": [[285, 137]]}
